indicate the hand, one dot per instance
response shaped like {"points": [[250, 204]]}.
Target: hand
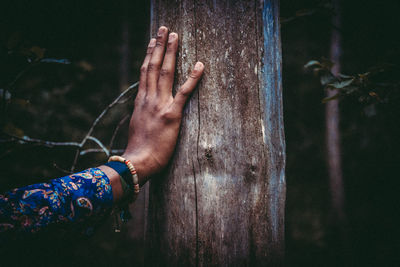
{"points": [[155, 123]]}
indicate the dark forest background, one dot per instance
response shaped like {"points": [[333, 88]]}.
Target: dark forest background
{"points": [[63, 62]]}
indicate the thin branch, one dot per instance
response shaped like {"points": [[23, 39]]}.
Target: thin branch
{"points": [[123, 101], [60, 169], [88, 136], [107, 109], [97, 150], [27, 140], [75, 159], [124, 119], [97, 141], [97, 120]]}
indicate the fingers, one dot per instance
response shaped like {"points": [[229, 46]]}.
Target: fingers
{"points": [[157, 71], [143, 68], [187, 88], [166, 79], [153, 69]]}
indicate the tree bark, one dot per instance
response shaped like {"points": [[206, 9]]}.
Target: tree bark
{"points": [[221, 200]]}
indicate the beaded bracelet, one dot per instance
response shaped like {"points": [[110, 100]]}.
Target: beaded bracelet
{"points": [[131, 169], [133, 185]]}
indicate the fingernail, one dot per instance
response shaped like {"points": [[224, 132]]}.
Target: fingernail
{"points": [[162, 29], [152, 42], [198, 66], [172, 36]]}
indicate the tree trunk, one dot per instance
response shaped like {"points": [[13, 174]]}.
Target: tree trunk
{"points": [[332, 128], [337, 218], [221, 200]]}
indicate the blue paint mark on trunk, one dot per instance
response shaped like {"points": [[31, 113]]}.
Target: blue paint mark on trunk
{"points": [[273, 117]]}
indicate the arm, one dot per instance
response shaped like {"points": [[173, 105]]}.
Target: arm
{"points": [[153, 132]]}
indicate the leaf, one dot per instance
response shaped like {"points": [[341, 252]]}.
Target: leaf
{"points": [[375, 95], [343, 76], [326, 99], [364, 75], [327, 78], [341, 84], [312, 63], [54, 60]]}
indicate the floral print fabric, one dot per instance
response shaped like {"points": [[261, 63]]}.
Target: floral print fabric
{"points": [[79, 199]]}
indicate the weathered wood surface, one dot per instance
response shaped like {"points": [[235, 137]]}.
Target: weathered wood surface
{"points": [[221, 201]]}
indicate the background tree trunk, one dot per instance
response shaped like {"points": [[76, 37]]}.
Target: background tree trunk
{"points": [[332, 116], [337, 218], [221, 201]]}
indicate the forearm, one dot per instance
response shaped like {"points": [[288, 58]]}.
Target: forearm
{"points": [[81, 199], [115, 182], [77, 198]]}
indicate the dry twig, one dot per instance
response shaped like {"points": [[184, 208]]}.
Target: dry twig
{"points": [[79, 146]]}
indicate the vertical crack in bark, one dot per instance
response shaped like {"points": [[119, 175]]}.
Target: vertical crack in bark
{"points": [[197, 223]]}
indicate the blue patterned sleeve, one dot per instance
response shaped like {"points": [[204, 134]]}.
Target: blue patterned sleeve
{"points": [[80, 200]]}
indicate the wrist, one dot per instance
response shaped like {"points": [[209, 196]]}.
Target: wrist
{"points": [[141, 165]]}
